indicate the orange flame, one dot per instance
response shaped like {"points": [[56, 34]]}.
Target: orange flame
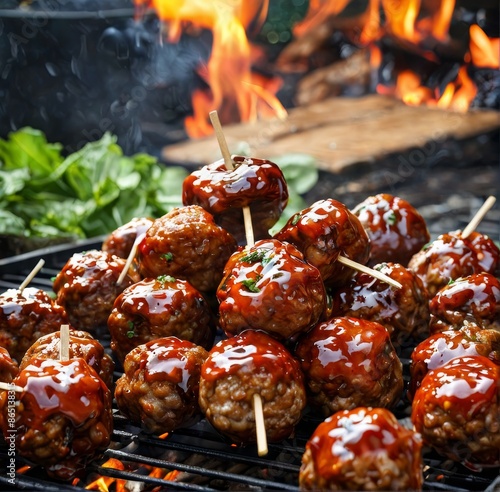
{"points": [[102, 483], [234, 91], [485, 52]]}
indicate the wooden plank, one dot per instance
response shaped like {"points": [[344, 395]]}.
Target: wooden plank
{"points": [[341, 132]]}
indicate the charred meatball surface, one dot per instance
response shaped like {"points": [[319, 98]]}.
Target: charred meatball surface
{"points": [[362, 449], [186, 243], [348, 362], [87, 287], [456, 411], [270, 287], [475, 298], [63, 418], [247, 364], [25, 317], [404, 311], [81, 345], [157, 308], [255, 183], [160, 386], [324, 231], [396, 229]]}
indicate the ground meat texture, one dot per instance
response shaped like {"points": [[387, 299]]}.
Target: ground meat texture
{"points": [[160, 385], [81, 344], [239, 367], [270, 287], [396, 229], [441, 347], [8, 367], [473, 299], [187, 244], [446, 258], [487, 252], [456, 411], [157, 308], [25, 317], [121, 241], [63, 418], [255, 183], [348, 362], [362, 449], [323, 232], [404, 312], [87, 287]]}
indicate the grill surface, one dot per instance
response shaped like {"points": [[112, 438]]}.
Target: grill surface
{"points": [[196, 458]]}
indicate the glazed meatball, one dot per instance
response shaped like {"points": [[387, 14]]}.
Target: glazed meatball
{"points": [[440, 348], [157, 308], [187, 244], [121, 241], [25, 317], [362, 449], [87, 287], [247, 364], [323, 232], [270, 287], [403, 312], [63, 418], [348, 362], [160, 385], [396, 229], [81, 344], [456, 411], [450, 257], [255, 183], [473, 299], [8, 366]]}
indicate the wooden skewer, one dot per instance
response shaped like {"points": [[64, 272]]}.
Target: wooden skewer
{"points": [[260, 426], [64, 343], [370, 271], [471, 226], [11, 387], [228, 161], [31, 275], [130, 258]]}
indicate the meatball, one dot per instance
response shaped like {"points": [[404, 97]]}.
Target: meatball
{"points": [[87, 287], [270, 287], [450, 257], [456, 411], [81, 344], [157, 308], [160, 385], [441, 347], [8, 366], [247, 364], [475, 298], [63, 418], [121, 241], [255, 183], [187, 244], [323, 232], [25, 317], [348, 362], [362, 449], [403, 312], [396, 229]]}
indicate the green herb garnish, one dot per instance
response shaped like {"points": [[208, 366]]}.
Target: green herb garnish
{"points": [[250, 284], [167, 256], [131, 331], [391, 218], [165, 278]]}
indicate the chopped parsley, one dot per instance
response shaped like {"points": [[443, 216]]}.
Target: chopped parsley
{"points": [[250, 284], [255, 256], [167, 256], [165, 278], [391, 218], [131, 331]]}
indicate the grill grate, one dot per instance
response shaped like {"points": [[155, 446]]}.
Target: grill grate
{"points": [[198, 456]]}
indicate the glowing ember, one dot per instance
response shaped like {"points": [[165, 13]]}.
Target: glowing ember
{"points": [[485, 52], [102, 483], [234, 91]]}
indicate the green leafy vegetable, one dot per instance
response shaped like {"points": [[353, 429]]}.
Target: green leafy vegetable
{"points": [[89, 193]]}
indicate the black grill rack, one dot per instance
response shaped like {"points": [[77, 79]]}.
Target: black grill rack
{"points": [[196, 458]]}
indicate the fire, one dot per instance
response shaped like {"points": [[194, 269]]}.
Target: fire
{"points": [[234, 91], [419, 26]]}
